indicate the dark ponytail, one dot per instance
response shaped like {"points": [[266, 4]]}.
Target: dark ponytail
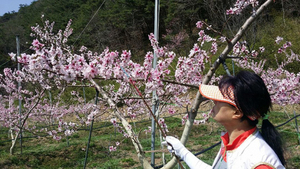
{"points": [[272, 137], [253, 99]]}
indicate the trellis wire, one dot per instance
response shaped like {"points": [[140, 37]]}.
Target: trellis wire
{"points": [[109, 124]]}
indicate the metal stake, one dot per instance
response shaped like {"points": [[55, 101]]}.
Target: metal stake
{"points": [[90, 135]]}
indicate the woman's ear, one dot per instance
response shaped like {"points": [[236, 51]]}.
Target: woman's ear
{"points": [[238, 114]]}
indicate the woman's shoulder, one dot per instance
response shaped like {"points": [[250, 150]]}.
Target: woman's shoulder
{"points": [[258, 152], [257, 146]]}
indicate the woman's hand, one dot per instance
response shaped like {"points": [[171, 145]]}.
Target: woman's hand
{"points": [[174, 146]]}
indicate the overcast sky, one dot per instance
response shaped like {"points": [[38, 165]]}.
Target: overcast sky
{"points": [[12, 5]]}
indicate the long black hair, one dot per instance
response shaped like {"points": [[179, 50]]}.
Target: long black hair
{"points": [[253, 99]]}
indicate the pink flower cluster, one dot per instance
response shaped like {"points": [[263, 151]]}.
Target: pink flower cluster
{"points": [[240, 5], [56, 61], [284, 47], [53, 63], [114, 148], [282, 84], [148, 130], [164, 126], [119, 128]]}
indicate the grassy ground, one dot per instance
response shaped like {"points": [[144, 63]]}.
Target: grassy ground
{"points": [[47, 153]]}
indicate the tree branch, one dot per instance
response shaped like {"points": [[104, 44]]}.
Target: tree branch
{"points": [[182, 84], [23, 122]]}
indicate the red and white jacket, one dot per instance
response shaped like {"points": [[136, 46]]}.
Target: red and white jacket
{"points": [[248, 151]]}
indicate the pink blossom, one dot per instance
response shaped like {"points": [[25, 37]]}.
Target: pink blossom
{"points": [[114, 121], [12, 56], [201, 33], [112, 148], [148, 130], [37, 45], [278, 39], [229, 11], [82, 49], [89, 72], [262, 49], [240, 5], [171, 111], [254, 53], [55, 137], [199, 24], [182, 121], [73, 92], [223, 39], [214, 48]]}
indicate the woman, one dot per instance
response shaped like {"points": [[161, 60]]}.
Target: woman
{"points": [[240, 101]]}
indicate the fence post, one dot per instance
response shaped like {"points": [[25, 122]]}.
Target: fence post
{"points": [[297, 128], [90, 135], [19, 86], [83, 92], [154, 96]]}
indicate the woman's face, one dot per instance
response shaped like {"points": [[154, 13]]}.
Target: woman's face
{"points": [[223, 112]]}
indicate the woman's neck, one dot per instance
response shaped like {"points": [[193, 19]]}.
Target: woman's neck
{"points": [[235, 131]]}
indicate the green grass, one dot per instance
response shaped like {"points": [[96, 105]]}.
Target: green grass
{"points": [[47, 153]]}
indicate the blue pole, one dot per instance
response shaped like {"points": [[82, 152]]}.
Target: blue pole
{"points": [[90, 135]]}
